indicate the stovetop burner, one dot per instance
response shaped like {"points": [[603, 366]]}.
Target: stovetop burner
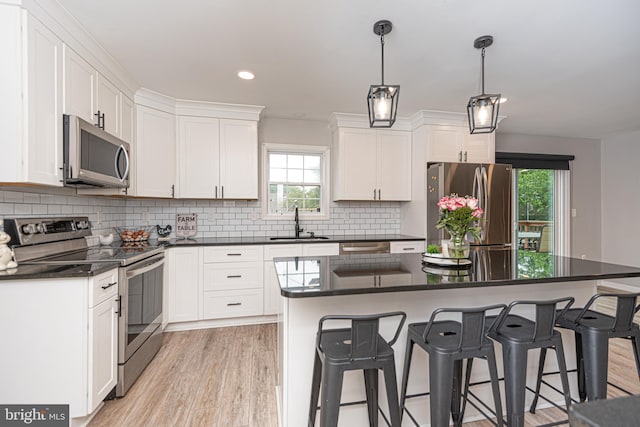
{"points": [[125, 253]]}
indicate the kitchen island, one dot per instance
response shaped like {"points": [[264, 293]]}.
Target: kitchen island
{"points": [[360, 284]]}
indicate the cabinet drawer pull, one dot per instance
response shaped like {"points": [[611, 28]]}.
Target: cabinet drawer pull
{"points": [[408, 249], [234, 276], [108, 285], [234, 254], [230, 304]]}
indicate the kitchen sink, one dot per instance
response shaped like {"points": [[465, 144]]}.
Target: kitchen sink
{"points": [[299, 238]]}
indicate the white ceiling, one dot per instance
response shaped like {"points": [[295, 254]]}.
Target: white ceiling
{"points": [[567, 67]]}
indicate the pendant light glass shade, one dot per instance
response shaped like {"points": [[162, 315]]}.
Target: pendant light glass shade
{"points": [[382, 100], [482, 110], [383, 105]]}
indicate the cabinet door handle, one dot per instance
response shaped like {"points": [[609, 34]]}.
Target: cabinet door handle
{"points": [[119, 305], [108, 285], [465, 156], [231, 304], [216, 192], [98, 117], [408, 249], [173, 190], [379, 198], [234, 276], [459, 156], [222, 196], [232, 254], [374, 194]]}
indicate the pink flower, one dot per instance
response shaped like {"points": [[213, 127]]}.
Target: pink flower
{"points": [[452, 205], [477, 213], [472, 203], [461, 202]]}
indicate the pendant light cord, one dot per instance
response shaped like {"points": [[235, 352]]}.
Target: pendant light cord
{"points": [[382, 50], [482, 72]]}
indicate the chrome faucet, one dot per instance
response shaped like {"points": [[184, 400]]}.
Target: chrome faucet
{"points": [[298, 230]]}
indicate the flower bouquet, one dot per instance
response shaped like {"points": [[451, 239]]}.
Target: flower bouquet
{"points": [[459, 215]]}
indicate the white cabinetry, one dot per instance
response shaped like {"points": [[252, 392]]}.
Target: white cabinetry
{"points": [[372, 164], [408, 247], [31, 108], [455, 144], [155, 150], [89, 95], [184, 284], [64, 356], [232, 281], [272, 296], [218, 158]]}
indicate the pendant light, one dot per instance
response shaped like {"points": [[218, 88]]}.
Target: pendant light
{"points": [[482, 110], [382, 100]]}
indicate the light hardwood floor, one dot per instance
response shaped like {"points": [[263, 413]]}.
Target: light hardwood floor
{"points": [[226, 377]]}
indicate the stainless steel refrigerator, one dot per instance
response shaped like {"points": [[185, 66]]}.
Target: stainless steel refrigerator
{"points": [[490, 183]]}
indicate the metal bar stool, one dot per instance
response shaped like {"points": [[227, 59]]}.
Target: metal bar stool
{"points": [[357, 347], [592, 332], [448, 343], [518, 335]]}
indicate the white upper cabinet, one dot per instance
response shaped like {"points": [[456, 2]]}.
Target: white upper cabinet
{"points": [[127, 119], [455, 144], [372, 164], [108, 106], [198, 154], [218, 158], [31, 107], [155, 151], [238, 159], [89, 95]]}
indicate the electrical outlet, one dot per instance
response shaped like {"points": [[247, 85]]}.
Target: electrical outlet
{"points": [[145, 216], [211, 216], [574, 213], [254, 216]]}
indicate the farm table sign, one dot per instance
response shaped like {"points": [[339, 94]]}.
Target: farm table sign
{"points": [[186, 225]]}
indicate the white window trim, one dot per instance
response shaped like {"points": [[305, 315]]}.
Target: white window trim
{"points": [[325, 180], [562, 212]]}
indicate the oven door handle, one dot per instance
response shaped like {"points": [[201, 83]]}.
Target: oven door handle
{"points": [[147, 268]]}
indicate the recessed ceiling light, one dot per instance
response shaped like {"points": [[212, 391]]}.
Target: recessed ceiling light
{"points": [[503, 100], [246, 75]]}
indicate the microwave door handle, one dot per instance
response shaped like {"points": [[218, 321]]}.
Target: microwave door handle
{"points": [[124, 176]]}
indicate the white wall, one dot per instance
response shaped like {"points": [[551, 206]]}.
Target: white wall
{"points": [[585, 183], [620, 208]]}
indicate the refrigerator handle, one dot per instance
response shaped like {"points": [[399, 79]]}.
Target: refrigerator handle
{"points": [[476, 184], [485, 190]]}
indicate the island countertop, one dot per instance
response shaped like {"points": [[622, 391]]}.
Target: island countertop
{"points": [[366, 274]]}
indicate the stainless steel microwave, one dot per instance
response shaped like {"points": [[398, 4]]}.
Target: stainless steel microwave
{"points": [[93, 157]]}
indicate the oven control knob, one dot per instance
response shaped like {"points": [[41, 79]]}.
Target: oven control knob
{"points": [[41, 228], [29, 229], [82, 225]]}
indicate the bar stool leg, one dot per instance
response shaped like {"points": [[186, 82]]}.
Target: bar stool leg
{"points": [[391, 384], [515, 373], [582, 390], [562, 367], [405, 373], [465, 392], [440, 388], [456, 392], [635, 341], [331, 394], [495, 388], [595, 350], [371, 387], [315, 389], [534, 403]]}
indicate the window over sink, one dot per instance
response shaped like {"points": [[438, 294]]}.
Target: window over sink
{"points": [[295, 175]]}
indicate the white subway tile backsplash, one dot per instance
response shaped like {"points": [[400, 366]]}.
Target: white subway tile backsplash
{"points": [[216, 218]]}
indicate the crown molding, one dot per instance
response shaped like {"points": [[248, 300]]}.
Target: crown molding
{"points": [[151, 99], [361, 121], [186, 107]]}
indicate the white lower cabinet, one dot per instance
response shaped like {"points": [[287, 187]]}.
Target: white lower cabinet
{"points": [[272, 295], [63, 340], [408, 247], [232, 281], [184, 284]]}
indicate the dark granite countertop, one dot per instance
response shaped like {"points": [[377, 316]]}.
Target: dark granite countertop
{"points": [[56, 271], [365, 274], [619, 412], [266, 240]]}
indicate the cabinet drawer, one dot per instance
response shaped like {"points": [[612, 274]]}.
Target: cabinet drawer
{"points": [[277, 251], [220, 304], [232, 275], [320, 249], [103, 287], [407, 247], [232, 253]]}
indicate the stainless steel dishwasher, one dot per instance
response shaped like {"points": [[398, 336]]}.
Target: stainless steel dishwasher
{"points": [[365, 248]]}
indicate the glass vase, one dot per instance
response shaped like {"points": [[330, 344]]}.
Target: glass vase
{"points": [[458, 246]]}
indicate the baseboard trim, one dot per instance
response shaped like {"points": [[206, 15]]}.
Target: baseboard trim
{"points": [[219, 323]]}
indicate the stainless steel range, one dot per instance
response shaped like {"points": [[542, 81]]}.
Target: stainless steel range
{"points": [[140, 277]]}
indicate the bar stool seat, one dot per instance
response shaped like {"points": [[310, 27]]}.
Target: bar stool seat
{"points": [[592, 333], [518, 335], [359, 347], [449, 343]]}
